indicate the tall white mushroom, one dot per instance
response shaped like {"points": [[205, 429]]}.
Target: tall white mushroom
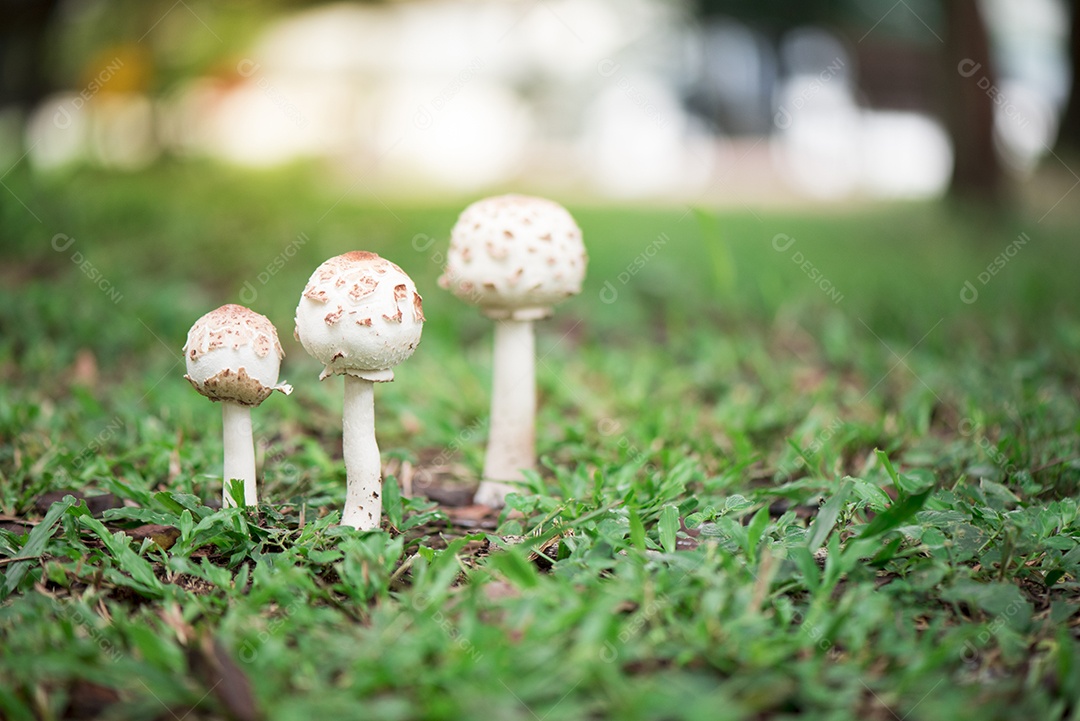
{"points": [[515, 257], [233, 355], [360, 316]]}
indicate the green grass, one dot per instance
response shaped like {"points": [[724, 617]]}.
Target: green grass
{"points": [[881, 489]]}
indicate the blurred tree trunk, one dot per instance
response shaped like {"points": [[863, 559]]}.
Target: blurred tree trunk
{"points": [[1069, 131], [970, 81], [24, 26]]}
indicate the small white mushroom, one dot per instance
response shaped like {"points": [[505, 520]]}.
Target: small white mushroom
{"points": [[515, 257], [233, 355], [360, 316]]}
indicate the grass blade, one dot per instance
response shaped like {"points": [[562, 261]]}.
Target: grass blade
{"points": [[827, 517], [637, 530], [895, 516], [36, 542], [669, 527]]}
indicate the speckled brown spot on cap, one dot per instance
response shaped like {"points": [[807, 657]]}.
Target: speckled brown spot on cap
{"points": [[335, 315], [418, 307], [359, 256], [514, 253], [232, 326], [381, 327], [316, 294], [236, 387], [364, 286]]}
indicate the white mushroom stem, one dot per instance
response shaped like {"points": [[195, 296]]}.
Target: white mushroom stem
{"points": [[512, 435], [239, 452], [363, 471]]}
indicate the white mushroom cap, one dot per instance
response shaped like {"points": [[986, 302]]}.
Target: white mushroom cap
{"points": [[360, 314], [515, 256], [233, 354]]}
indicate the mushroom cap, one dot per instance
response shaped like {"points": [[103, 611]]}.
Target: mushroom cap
{"points": [[360, 314], [515, 256], [233, 354]]}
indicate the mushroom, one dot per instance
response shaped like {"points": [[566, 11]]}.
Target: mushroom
{"points": [[360, 316], [233, 355], [515, 257]]}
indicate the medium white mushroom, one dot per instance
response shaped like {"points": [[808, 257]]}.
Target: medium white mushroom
{"points": [[360, 316], [515, 257], [233, 355]]}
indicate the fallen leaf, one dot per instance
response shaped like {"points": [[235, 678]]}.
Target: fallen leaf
{"points": [[163, 536], [88, 700], [96, 504], [227, 680]]}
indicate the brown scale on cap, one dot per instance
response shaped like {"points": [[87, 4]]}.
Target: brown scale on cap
{"points": [[418, 308], [237, 387], [514, 255], [262, 345], [401, 292], [344, 269], [334, 316], [232, 326], [316, 294], [369, 321], [359, 256], [363, 287]]}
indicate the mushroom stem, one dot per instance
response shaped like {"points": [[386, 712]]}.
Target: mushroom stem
{"points": [[239, 452], [363, 471], [512, 434]]}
